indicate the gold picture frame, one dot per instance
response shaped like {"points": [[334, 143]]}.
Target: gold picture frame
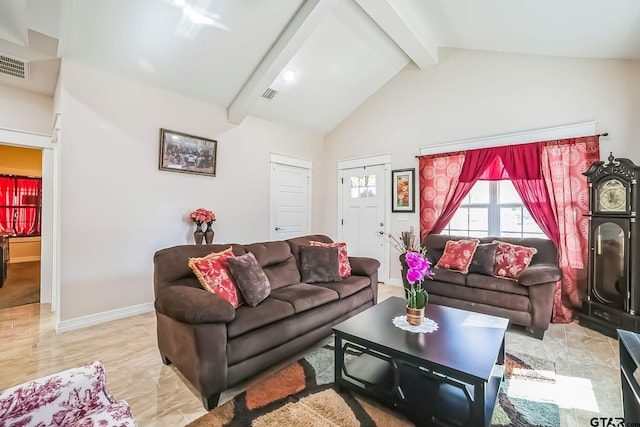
{"points": [[181, 152]]}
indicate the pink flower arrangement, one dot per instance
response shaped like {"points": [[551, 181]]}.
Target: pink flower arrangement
{"points": [[419, 267], [202, 215]]}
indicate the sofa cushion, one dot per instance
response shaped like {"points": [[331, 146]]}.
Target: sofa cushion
{"points": [[492, 283], [319, 264], [249, 278], [277, 261], [213, 275], [344, 267], [476, 295], [449, 276], [512, 259], [484, 259], [458, 254], [250, 318], [348, 286], [304, 296]]}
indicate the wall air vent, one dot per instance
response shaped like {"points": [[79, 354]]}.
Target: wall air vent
{"points": [[14, 67], [269, 94]]}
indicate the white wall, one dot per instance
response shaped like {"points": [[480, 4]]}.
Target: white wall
{"points": [[472, 94], [25, 111], [117, 208]]}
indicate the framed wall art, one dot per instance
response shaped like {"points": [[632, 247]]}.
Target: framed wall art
{"points": [[180, 152], [403, 190]]}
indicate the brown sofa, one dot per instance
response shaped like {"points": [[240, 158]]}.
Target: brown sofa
{"points": [[527, 301], [216, 347]]}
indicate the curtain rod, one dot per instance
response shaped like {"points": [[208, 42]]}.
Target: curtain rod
{"points": [[461, 151]]}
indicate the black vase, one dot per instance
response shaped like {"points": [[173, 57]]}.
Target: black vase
{"points": [[208, 234], [198, 235]]}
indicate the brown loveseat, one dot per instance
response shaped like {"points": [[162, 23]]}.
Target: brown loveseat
{"points": [[527, 301], [216, 347]]}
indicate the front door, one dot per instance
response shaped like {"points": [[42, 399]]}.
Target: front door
{"points": [[290, 191], [363, 218]]}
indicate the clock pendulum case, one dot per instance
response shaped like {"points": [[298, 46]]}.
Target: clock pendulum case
{"points": [[613, 277]]}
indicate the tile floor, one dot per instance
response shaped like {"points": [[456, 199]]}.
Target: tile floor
{"points": [[160, 396]]}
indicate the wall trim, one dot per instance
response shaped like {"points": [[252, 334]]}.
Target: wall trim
{"points": [[291, 161], [544, 134], [359, 162], [105, 316]]}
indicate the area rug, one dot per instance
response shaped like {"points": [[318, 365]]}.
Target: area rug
{"points": [[302, 394]]}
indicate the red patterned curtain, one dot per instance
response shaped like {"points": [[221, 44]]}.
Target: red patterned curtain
{"points": [[438, 181], [28, 201], [7, 189], [563, 162]]}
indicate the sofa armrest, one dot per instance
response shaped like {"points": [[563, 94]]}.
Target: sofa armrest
{"points": [[193, 306], [363, 266], [540, 273]]}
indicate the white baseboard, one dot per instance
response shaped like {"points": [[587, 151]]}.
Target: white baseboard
{"points": [[105, 316], [395, 282], [24, 259]]}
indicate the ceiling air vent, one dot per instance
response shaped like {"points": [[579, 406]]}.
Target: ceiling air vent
{"points": [[269, 94], [14, 67]]}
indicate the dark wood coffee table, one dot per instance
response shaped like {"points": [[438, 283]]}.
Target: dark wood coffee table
{"points": [[447, 377]]}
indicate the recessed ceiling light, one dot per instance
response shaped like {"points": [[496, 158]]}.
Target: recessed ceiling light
{"points": [[289, 76]]}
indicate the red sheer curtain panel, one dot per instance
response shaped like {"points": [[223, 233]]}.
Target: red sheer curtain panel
{"points": [[438, 181], [563, 162], [7, 188], [28, 194]]}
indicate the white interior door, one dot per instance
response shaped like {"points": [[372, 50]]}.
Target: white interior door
{"points": [[363, 220], [290, 201]]}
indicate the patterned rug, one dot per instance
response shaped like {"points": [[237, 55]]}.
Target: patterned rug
{"points": [[302, 394]]}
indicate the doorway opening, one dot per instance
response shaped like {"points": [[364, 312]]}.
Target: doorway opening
{"points": [[20, 224]]}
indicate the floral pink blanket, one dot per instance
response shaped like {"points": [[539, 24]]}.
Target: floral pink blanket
{"points": [[76, 397]]}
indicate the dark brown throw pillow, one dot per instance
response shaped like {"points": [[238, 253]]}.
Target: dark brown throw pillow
{"points": [[319, 264], [250, 278], [484, 259]]}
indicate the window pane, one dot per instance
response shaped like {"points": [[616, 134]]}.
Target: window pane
{"points": [[354, 182], [510, 234], [479, 219], [460, 220], [354, 193], [371, 180], [479, 193], [361, 182], [510, 220], [372, 191], [507, 193], [363, 192], [528, 224]]}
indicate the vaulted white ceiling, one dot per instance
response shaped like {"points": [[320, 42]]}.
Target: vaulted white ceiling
{"points": [[339, 52]]}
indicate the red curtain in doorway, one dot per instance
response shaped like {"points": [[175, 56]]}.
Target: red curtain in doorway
{"points": [[27, 206], [7, 191]]}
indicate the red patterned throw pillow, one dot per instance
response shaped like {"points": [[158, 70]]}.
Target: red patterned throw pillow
{"points": [[512, 259], [213, 273], [458, 254], [344, 267]]}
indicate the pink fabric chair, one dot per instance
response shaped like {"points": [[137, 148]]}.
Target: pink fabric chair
{"points": [[76, 397]]}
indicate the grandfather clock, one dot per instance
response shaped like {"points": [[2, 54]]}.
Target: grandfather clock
{"points": [[613, 295]]}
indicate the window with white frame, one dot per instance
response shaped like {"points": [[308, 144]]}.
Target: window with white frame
{"points": [[493, 208]]}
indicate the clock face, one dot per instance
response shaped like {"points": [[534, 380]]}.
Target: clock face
{"points": [[612, 196]]}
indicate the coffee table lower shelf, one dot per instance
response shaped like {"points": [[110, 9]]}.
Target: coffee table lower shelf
{"points": [[425, 396]]}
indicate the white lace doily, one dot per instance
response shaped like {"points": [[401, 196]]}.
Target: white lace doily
{"points": [[427, 326]]}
